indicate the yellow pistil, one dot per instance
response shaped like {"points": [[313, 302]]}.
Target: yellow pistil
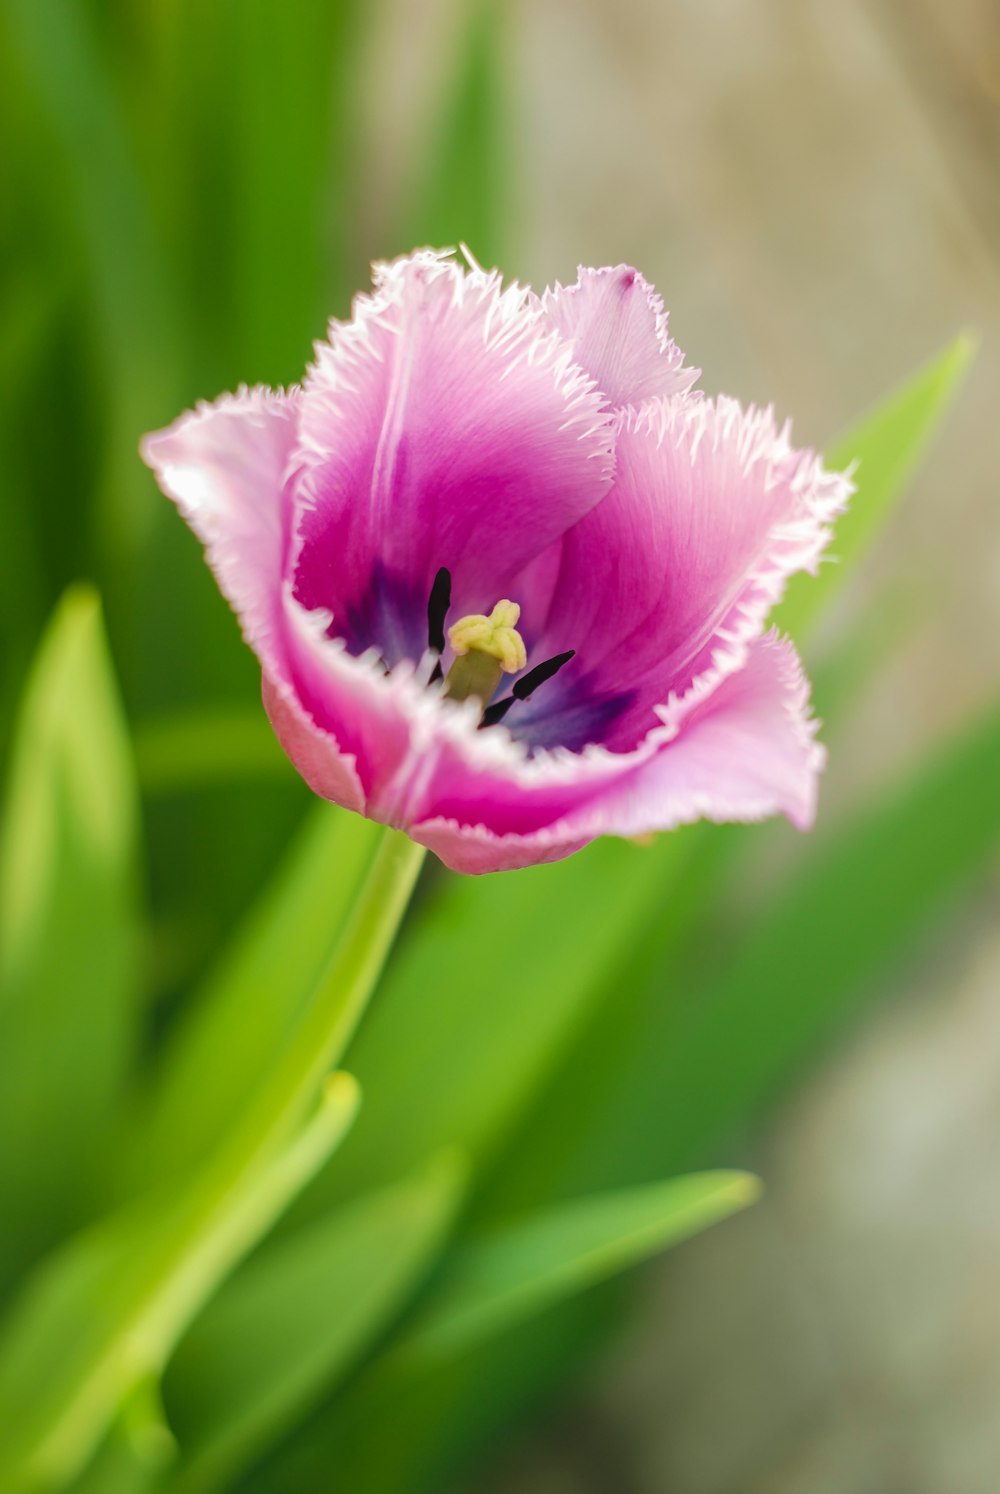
{"points": [[485, 648]]}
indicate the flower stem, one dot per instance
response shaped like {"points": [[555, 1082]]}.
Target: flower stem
{"points": [[162, 1265], [341, 997]]}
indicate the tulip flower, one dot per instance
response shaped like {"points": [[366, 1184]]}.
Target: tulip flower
{"points": [[508, 573]]}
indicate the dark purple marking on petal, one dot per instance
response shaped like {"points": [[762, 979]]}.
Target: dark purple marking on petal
{"points": [[575, 721], [389, 616]]}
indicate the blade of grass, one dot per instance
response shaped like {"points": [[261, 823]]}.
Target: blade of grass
{"points": [[69, 934], [248, 1006], [99, 1320], [888, 445], [123, 1299], [315, 1302], [461, 1040], [520, 1269], [462, 192], [712, 1053]]}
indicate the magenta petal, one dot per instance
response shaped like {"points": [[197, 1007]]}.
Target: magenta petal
{"points": [[746, 750], [475, 850], [711, 511], [352, 707], [618, 328], [314, 752], [446, 425]]}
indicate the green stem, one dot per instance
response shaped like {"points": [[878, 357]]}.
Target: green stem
{"points": [[196, 1240], [339, 1003]]}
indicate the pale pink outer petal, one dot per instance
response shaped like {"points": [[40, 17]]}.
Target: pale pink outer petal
{"points": [[672, 576], [618, 328], [225, 465], [446, 425], [745, 751], [314, 753]]}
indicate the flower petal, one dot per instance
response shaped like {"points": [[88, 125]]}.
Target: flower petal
{"points": [[314, 753], [446, 425], [348, 704], [675, 572], [224, 465], [746, 751], [618, 328]]}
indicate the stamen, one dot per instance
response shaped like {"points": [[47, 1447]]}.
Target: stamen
{"points": [[525, 687], [485, 648], [437, 609], [496, 712]]}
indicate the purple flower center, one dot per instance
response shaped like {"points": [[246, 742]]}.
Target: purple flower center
{"points": [[399, 622], [494, 711]]}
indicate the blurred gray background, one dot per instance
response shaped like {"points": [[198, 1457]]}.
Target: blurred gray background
{"points": [[815, 190]]}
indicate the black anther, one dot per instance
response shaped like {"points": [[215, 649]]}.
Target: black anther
{"points": [[525, 687], [496, 712], [437, 609], [529, 683]]}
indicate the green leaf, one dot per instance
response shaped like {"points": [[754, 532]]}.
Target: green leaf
{"points": [[256, 992], [888, 446], [292, 213], [462, 193], [515, 1272], [137, 1451], [68, 933], [122, 1298], [714, 1049], [100, 1319], [478, 1341], [208, 746], [96, 202], [487, 988], [293, 1321]]}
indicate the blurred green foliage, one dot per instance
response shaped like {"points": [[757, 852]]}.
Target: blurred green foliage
{"points": [[180, 212]]}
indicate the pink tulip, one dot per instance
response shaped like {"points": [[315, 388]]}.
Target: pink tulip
{"points": [[507, 576]]}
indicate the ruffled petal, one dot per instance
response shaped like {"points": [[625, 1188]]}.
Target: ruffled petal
{"points": [[618, 328], [474, 850], [455, 423], [446, 425], [225, 465], [746, 750], [353, 708], [314, 753], [675, 572]]}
